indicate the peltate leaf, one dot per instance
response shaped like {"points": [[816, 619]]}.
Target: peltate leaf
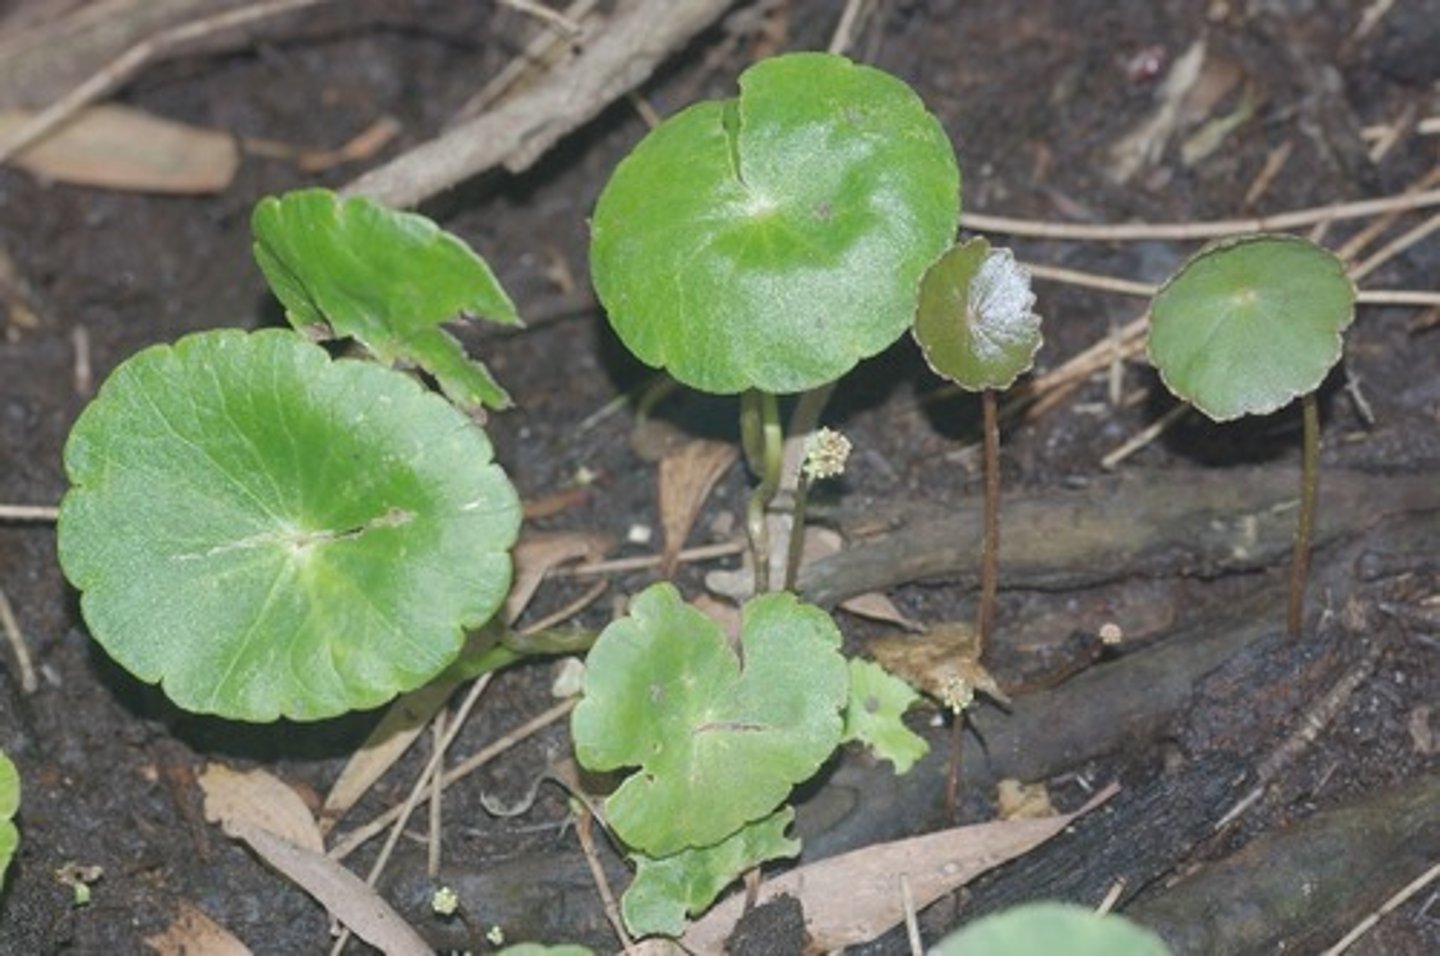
{"points": [[667, 889], [9, 806], [1051, 928], [974, 323], [387, 278], [717, 745], [774, 240], [878, 699], [268, 532], [1251, 323]]}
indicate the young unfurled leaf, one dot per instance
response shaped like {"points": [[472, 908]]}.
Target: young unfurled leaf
{"points": [[665, 890], [774, 240], [717, 745], [9, 806], [267, 532], [878, 699], [974, 323], [386, 278], [1051, 928], [1251, 323]]}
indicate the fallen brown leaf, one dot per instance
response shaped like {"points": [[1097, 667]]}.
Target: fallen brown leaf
{"points": [[853, 898], [348, 898], [260, 799], [116, 147], [944, 662], [687, 476]]}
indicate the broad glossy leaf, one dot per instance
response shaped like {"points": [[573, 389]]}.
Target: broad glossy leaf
{"points": [[387, 278], [878, 699], [774, 240], [9, 806], [975, 324], [717, 746], [267, 532], [1035, 928], [1250, 324], [665, 890]]}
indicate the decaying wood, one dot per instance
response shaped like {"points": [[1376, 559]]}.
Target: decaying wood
{"points": [[614, 60], [1139, 524], [1297, 889]]}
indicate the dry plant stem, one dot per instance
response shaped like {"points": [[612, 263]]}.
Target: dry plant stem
{"points": [[432, 856], [40, 513], [990, 555], [705, 552], [16, 638], [1395, 247], [844, 33], [1134, 232], [1389, 906], [952, 766], [123, 67], [583, 828], [912, 924], [362, 834], [1305, 528], [1144, 290], [1357, 243]]}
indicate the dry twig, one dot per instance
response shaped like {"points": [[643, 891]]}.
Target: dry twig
{"points": [[16, 637], [1140, 231]]}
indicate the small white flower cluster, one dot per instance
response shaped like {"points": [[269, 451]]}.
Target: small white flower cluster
{"points": [[826, 452]]}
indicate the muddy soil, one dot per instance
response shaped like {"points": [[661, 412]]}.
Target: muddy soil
{"points": [[1035, 97]]}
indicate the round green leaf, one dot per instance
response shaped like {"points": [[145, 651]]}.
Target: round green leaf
{"points": [[974, 323], [1250, 323], [774, 240], [1040, 929], [9, 806], [717, 745], [268, 532]]}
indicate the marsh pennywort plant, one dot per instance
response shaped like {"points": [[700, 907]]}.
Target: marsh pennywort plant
{"points": [[269, 532], [765, 244], [761, 245], [1243, 328], [976, 327]]}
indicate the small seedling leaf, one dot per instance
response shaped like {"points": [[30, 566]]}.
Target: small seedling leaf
{"points": [[1051, 928], [878, 699], [717, 745], [774, 240], [975, 323], [667, 889], [386, 278], [1250, 324], [268, 532], [9, 806]]}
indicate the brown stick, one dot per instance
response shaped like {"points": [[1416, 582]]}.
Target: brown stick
{"points": [[515, 134], [1305, 527]]}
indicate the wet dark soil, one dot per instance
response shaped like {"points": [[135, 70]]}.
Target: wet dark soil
{"points": [[1034, 95]]}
